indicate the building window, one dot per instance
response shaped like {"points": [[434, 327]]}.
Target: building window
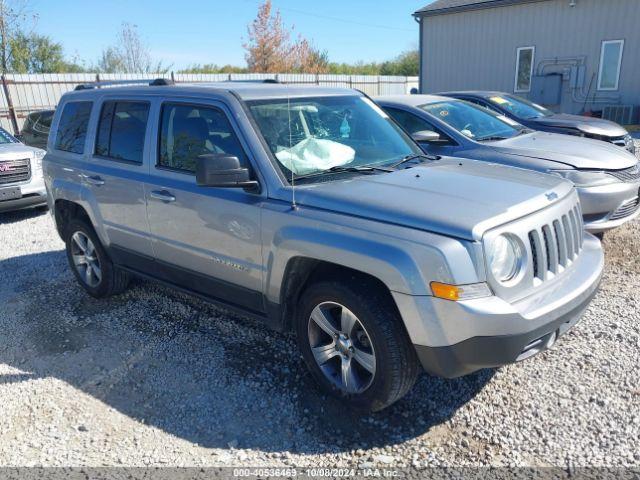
{"points": [[610, 63], [524, 69]]}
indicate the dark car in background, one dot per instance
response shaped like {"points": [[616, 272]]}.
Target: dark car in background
{"points": [[35, 131], [537, 117], [607, 178]]}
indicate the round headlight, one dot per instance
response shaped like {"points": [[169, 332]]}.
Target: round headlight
{"points": [[504, 258]]}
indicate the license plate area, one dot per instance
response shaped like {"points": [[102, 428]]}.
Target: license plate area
{"points": [[10, 193]]}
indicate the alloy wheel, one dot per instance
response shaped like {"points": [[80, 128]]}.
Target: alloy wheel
{"points": [[341, 347], [85, 259]]}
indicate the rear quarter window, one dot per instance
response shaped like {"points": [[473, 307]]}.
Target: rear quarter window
{"points": [[72, 127]]}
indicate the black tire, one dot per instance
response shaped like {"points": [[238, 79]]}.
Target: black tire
{"points": [[113, 280], [396, 363], [600, 236]]}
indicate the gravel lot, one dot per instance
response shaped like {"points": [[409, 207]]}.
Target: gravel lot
{"points": [[154, 377]]}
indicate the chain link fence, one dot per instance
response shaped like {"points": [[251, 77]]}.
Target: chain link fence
{"points": [[23, 94]]}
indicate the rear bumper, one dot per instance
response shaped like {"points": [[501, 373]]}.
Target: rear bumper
{"points": [[477, 353]]}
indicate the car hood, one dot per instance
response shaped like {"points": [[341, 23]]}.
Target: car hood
{"points": [[455, 197], [11, 151], [576, 152], [594, 126]]}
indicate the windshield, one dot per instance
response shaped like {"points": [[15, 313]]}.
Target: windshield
{"points": [[6, 137], [311, 135], [520, 107], [472, 121]]}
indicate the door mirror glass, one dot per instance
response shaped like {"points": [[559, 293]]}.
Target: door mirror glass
{"points": [[222, 170], [426, 136]]}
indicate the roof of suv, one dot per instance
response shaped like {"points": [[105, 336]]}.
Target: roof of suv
{"points": [[245, 90]]}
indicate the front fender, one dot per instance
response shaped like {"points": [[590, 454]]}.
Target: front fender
{"points": [[406, 261], [389, 264]]}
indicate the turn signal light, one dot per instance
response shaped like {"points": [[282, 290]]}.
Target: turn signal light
{"points": [[460, 292]]}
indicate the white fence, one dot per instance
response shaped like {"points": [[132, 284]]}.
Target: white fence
{"points": [[23, 94]]}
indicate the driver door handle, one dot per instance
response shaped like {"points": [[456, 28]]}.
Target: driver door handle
{"points": [[163, 196]]}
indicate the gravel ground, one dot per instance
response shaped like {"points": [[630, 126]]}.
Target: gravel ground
{"points": [[157, 378]]}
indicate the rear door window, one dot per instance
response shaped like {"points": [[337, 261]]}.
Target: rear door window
{"points": [[121, 130], [72, 127]]}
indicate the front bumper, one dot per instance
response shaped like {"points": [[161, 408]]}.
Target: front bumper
{"points": [[609, 206], [27, 201], [476, 353], [457, 338], [34, 194]]}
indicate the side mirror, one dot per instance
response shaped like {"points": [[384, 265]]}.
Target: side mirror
{"points": [[222, 170], [426, 136]]}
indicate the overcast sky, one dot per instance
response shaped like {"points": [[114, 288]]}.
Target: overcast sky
{"points": [[211, 31]]}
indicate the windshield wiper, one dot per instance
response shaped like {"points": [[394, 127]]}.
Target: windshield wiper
{"points": [[491, 138], [342, 169], [414, 156]]}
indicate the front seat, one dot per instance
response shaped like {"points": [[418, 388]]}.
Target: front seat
{"points": [[190, 139]]}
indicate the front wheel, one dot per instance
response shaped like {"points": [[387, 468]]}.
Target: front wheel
{"points": [[355, 345]]}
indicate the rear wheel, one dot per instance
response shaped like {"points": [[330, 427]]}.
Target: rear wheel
{"points": [[90, 263], [355, 345]]}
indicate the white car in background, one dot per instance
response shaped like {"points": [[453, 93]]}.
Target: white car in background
{"points": [[21, 181]]}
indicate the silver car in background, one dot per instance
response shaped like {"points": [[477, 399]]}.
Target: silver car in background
{"points": [[21, 180], [607, 177]]}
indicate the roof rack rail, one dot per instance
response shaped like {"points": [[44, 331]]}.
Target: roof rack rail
{"points": [[258, 80], [152, 83]]}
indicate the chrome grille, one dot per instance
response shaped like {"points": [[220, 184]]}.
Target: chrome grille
{"points": [[626, 209], [628, 174], [552, 242], [555, 245], [15, 171]]}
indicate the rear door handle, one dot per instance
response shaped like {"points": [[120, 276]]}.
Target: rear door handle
{"points": [[93, 179], [163, 196]]}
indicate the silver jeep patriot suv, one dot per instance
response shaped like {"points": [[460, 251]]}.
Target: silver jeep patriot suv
{"points": [[309, 209]]}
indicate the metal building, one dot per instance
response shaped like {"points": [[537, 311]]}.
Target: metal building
{"points": [[571, 55]]}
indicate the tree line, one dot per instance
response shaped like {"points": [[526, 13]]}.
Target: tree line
{"points": [[270, 47]]}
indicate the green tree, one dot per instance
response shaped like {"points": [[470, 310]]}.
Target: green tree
{"points": [[38, 54], [213, 68], [358, 68], [406, 64], [14, 16]]}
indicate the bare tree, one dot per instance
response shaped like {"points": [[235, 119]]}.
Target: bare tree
{"points": [[129, 55], [14, 17]]}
